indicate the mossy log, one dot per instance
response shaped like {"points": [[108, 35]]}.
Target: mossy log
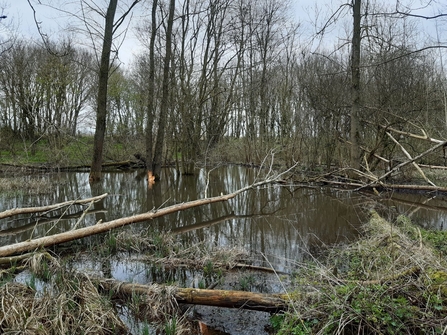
{"points": [[219, 298]]}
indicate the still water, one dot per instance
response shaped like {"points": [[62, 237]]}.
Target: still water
{"points": [[281, 222]]}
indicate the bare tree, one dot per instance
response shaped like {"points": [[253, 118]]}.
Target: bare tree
{"points": [[164, 103], [104, 68], [81, 15], [355, 83], [151, 101]]}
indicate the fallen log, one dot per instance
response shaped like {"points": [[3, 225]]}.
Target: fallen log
{"points": [[46, 220], [29, 210], [433, 167], [424, 188], [102, 227], [128, 164], [219, 298], [382, 186]]}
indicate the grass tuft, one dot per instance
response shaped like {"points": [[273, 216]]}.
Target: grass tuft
{"points": [[391, 281]]}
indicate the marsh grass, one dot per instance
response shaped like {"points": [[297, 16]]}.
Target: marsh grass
{"points": [[70, 305], [391, 281], [54, 298], [165, 249], [71, 302]]}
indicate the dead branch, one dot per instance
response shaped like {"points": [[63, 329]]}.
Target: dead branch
{"points": [[401, 165], [406, 153], [106, 226], [46, 220], [28, 210], [424, 137], [433, 167]]}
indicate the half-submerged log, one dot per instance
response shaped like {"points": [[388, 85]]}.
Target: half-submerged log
{"points": [[219, 298]]}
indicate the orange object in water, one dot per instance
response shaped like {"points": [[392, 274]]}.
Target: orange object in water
{"points": [[150, 179], [205, 330]]}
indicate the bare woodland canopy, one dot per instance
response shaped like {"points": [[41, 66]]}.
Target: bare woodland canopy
{"points": [[242, 74]]}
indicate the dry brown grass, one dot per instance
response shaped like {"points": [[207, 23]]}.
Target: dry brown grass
{"points": [[166, 250], [71, 306], [74, 303]]}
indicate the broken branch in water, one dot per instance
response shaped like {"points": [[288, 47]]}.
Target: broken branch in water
{"points": [[28, 210], [106, 226], [406, 153]]}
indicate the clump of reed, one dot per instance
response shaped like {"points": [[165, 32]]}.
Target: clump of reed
{"points": [[72, 302], [165, 249], [390, 281], [71, 305]]}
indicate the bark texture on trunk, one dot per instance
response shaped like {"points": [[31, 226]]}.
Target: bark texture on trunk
{"points": [[101, 108], [220, 298]]}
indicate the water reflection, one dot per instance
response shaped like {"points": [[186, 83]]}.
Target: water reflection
{"points": [[279, 222], [428, 211]]}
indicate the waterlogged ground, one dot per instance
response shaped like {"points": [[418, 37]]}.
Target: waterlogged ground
{"points": [[277, 227]]}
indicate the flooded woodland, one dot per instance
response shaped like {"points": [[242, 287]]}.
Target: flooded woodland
{"points": [[276, 226]]}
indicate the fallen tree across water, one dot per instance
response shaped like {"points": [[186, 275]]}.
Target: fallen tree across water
{"points": [[102, 227]]}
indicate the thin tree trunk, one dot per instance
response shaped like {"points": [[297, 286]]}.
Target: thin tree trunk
{"points": [[101, 108], [165, 105], [151, 90], [355, 86]]}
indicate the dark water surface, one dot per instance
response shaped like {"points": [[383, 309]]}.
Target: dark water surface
{"points": [[278, 223], [281, 221]]}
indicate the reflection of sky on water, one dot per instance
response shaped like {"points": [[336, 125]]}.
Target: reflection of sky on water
{"points": [[428, 211], [278, 223]]}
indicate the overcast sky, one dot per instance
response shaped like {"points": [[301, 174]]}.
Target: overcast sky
{"points": [[304, 11]]}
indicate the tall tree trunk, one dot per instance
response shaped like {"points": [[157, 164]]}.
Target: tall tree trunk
{"points": [[101, 109], [355, 86], [164, 106], [151, 90]]}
